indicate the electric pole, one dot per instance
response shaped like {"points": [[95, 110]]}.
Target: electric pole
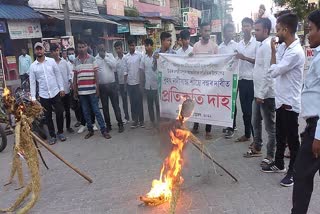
{"points": [[67, 22]]}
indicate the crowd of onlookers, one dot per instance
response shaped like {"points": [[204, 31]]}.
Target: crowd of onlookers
{"points": [[271, 87]]}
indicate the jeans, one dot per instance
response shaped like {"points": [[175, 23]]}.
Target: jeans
{"points": [[83, 119], [208, 127], [66, 100], [136, 102], [286, 133], [23, 78], [124, 97], [305, 167], [153, 98], [110, 91], [265, 111], [92, 101], [246, 95], [58, 109]]}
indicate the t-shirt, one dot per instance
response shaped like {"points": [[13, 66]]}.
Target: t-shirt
{"points": [[209, 48], [85, 71]]}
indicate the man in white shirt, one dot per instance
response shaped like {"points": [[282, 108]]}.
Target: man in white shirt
{"points": [[247, 54], [65, 73], [186, 48], [150, 82], [108, 87], [264, 94], [229, 46], [307, 161], [122, 72], [133, 60], [24, 65], [288, 73], [45, 71]]}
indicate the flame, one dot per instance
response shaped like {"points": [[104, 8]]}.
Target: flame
{"points": [[6, 92]]}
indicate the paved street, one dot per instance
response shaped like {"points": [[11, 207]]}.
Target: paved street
{"points": [[123, 168]]}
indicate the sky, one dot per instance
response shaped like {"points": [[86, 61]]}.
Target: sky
{"points": [[243, 8]]}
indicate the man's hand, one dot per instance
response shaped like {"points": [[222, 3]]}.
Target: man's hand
{"points": [[98, 93], [62, 93], [191, 54], [240, 56], [259, 101], [75, 94], [156, 56], [273, 44], [316, 148]]}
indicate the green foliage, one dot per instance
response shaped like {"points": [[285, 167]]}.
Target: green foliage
{"points": [[131, 11], [300, 7]]}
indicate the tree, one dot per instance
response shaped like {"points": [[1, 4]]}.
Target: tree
{"points": [[301, 7]]}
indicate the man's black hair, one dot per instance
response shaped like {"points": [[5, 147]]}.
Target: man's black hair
{"points": [[185, 34], [82, 42], [70, 49], [131, 41], [118, 44], [314, 17], [148, 41], [266, 24], [290, 21], [228, 26], [53, 47], [165, 35], [247, 21]]}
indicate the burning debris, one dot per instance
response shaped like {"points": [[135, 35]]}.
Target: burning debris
{"points": [[167, 188]]}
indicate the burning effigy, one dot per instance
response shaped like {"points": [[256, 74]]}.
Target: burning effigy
{"points": [[167, 187]]}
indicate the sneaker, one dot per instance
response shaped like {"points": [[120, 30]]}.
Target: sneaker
{"points": [[229, 134], [272, 168], [287, 181], [134, 125], [266, 161], [125, 121], [82, 129], [235, 128], [141, 124], [90, 134], [121, 129], [61, 137], [70, 130], [95, 128], [108, 128], [52, 141], [106, 135], [77, 124]]}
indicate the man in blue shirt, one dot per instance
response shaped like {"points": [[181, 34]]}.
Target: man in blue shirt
{"points": [[24, 65], [308, 162]]}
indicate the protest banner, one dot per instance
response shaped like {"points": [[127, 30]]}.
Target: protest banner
{"points": [[210, 80]]}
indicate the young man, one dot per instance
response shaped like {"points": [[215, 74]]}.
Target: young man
{"points": [[86, 86], [287, 69], [24, 65], [204, 46], [133, 60], [45, 71], [264, 94], [186, 48], [229, 46], [150, 81], [246, 54], [166, 42], [65, 73], [307, 161], [108, 87], [122, 72]]}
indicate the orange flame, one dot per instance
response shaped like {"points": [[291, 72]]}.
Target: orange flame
{"points": [[6, 92]]}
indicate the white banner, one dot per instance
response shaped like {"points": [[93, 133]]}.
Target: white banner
{"points": [[210, 80], [24, 29]]}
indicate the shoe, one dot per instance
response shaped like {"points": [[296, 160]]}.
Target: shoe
{"points": [[287, 181], [141, 124], [134, 125], [266, 161], [208, 136], [95, 128], [229, 134], [77, 124], [106, 135], [90, 134], [70, 130], [61, 137], [82, 129], [121, 129], [52, 141], [108, 128], [235, 128], [272, 168], [225, 130], [195, 130], [242, 139], [125, 121]]}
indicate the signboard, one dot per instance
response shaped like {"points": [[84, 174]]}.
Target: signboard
{"points": [[89, 6], [24, 29], [3, 28], [193, 31], [11, 62], [211, 81], [123, 28], [63, 42], [216, 26], [137, 29]]}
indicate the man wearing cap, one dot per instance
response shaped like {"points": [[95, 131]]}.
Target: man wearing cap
{"points": [[45, 71]]}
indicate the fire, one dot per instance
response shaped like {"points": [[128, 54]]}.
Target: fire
{"points": [[6, 92]]}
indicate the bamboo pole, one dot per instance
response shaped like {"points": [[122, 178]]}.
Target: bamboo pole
{"points": [[39, 140]]}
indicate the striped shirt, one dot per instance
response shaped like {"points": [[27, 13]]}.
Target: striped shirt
{"points": [[85, 71]]}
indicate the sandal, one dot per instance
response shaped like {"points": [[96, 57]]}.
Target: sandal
{"points": [[252, 153], [242, 139]]}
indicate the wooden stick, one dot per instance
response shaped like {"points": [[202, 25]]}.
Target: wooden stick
{"points": [[39, 140]]}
